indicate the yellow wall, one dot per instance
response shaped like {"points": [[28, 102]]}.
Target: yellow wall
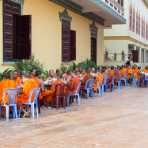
{"points": [[100, 45], [1, 32], [46, 33]]}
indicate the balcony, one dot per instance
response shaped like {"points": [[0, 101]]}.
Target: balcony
{"points": [[110, 10], [117, 6]]}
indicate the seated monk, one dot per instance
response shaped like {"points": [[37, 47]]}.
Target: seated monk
{"points": [[6, 83], [136, 72], [117, 75], [111, 74], [18, 78], [72, 85], [143, 75], [123, 72], [98, 80], [129, 73], [85, 77], [29, 84], [48, 94]]}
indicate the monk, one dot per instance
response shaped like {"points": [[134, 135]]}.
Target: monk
{"points": [[123, 72], [136, 72], [85, 77], [142, 76], [5, 84], [111, 74], [48, 93], [72, 86], [29, 84], [117, 75], [129, 73], [98, 80]]}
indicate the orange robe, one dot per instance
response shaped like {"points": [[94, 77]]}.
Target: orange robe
{"points": [[129, 72], [98, 81], [49, 94], [136, 73], [86, 76], [18, 81], [6, 84], [28, 86], [123, 72], [73, 84]]}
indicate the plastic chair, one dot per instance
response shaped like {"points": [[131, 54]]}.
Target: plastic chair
{"points": [[89, 88], [119, 85], [34, 94], [146, 81], [12, 102], [135, 82], [105, 84], [76, 95], [60, 96], [124, 80]]}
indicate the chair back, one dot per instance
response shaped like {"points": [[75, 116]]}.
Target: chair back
{"points": [[12, 96], [105, 79], [60, 90], [89, 84], [78, 87], [34, 94]]}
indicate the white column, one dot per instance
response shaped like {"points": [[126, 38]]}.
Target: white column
{"points": [[145, 56], [140, 57]]}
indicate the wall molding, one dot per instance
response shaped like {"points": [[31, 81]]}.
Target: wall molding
{"points": [[93, 30], [64, 16]]}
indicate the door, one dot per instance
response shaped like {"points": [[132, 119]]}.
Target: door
{"points": [[94, 50], [22, 37], [135, 55]]}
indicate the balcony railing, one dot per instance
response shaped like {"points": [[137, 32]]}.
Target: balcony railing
{"points": [[115, 5]]}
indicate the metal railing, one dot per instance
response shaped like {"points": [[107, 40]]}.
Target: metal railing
{"points": [[115, 5]]}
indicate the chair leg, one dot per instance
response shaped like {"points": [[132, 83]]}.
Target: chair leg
{"points": [[78, 99], [64, 102], [37, 111], [7, 112], [68, 103], [32, 110], [57, 102], [15, 109]]}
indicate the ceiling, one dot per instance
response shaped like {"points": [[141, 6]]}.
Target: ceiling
{"points": [[146, 2]]}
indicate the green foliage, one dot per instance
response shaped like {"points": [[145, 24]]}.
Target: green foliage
{"points": [[7, 73], [87, 64], [72, 67], [1, 76], [63, 69], [84, 65], [28, 66]]}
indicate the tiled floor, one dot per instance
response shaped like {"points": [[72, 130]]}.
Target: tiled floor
{"points": [[116, 120]]}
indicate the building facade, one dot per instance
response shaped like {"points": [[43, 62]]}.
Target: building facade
{"points": [[56, 31], [130, 39]]}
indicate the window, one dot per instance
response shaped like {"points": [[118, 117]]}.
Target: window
{"points": [[133, 21], [130, 17], [16, 32], [68, 42], [137, 22], [9, 9], [73, 45], [22, 40]]}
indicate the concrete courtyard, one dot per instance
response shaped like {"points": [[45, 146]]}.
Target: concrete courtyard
{"points": [[116, 120]]}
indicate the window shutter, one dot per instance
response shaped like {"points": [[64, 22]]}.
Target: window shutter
{"points": [[73, 45], [66, 41], [22, 40], [9, 9]]}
